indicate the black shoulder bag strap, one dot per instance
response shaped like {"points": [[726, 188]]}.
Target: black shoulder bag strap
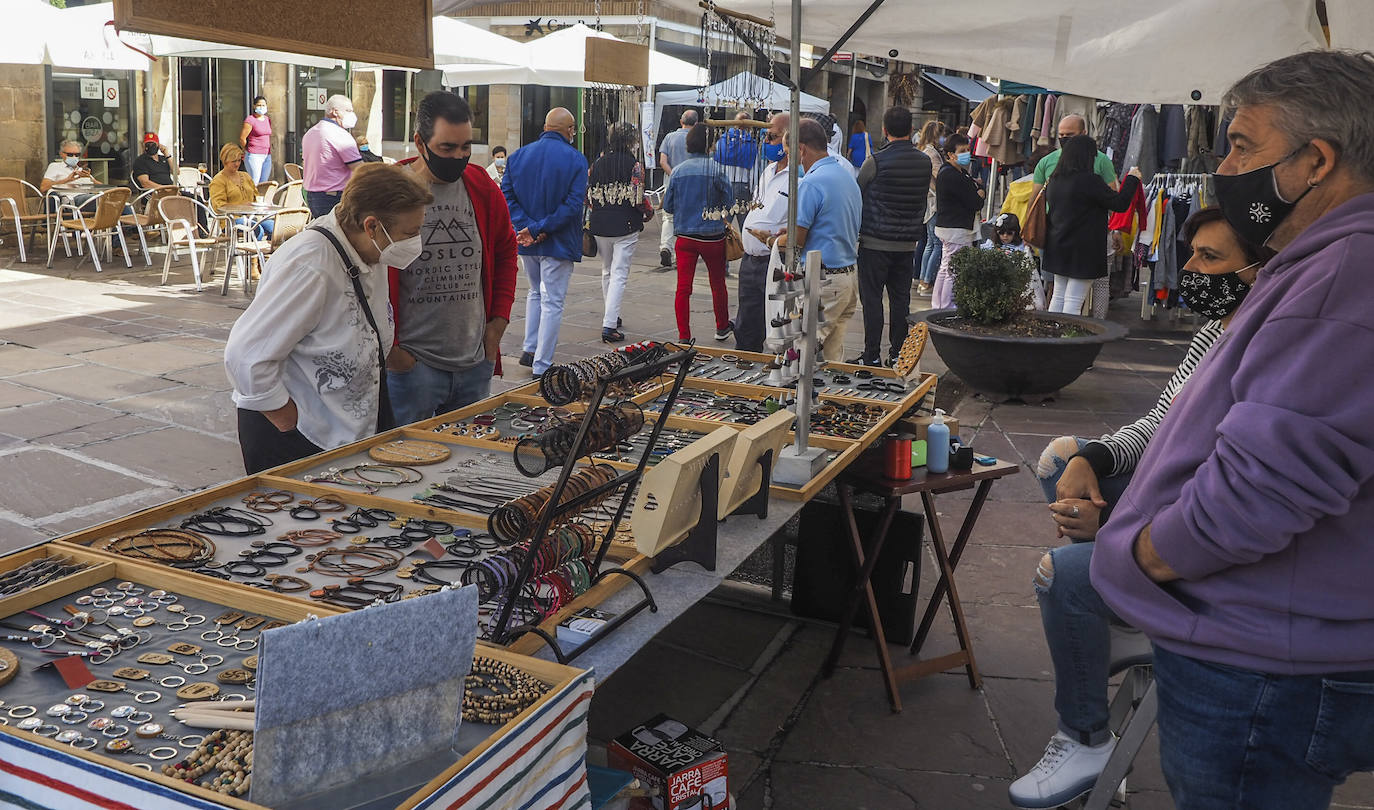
{"points": [[385, 420]]}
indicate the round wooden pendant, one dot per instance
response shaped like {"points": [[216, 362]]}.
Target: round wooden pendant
{"points": [[410, 452], [9, 666], [251, 662]]}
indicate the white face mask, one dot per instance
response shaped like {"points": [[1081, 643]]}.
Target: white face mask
{"points": [[348, 120], [71, 161], [399, 254], [260, 110], [500, 163]]}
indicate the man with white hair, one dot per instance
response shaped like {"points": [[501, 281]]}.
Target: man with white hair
{"points": [[329, 155]]}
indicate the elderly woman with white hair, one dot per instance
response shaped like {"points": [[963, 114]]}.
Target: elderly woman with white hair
{"points": [[329, 155]]}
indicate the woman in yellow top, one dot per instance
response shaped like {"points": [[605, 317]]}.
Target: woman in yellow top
{"points": [[231, 186]]}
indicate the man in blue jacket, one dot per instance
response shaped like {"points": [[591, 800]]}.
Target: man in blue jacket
{"points": [[546, 185]]}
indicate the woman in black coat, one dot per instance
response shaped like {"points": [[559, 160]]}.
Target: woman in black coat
{"points": [[1076, 237], [615, 194]]}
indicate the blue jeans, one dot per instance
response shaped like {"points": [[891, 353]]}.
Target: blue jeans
{"points": [[1077, 631], [425, 391], [549, 279], [262, 230], [930, 261], [321, 202], [1232, 738], [259, 167]]}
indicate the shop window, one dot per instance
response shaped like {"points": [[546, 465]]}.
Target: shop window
{"points": [[94, 109], [479, 99]]}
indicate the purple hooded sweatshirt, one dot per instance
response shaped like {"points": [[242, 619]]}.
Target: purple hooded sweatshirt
{"points": [[1257, 483]]}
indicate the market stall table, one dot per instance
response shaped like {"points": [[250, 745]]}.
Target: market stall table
{"points": [[869, 478]]}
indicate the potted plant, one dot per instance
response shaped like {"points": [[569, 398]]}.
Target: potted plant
{"points": [[1000, 347]]}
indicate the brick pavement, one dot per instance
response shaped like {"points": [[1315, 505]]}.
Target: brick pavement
{"points": [[113, 398]]}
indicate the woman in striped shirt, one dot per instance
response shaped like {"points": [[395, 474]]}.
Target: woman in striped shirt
{"points": [[1082, 478]]}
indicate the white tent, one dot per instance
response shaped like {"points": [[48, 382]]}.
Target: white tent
{"points": [[34, 33], [557, 60], [1161, 51], [737, 86], [176, 46]]}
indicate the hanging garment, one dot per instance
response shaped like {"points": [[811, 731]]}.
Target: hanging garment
{"points": [[1141, 149], [998, 144], [1172, 137], [1037, 111], [1116, 133], [1018, 113], [980, 116], [1049, 121]]}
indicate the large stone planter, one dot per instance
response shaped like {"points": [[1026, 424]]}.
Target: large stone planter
{"points": [[1005, 367]]}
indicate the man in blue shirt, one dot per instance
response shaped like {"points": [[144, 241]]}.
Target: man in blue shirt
{"points": [[829, 211], [546, 186]]}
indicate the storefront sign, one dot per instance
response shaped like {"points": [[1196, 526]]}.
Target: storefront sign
{"points": [[91, 129], [111, 93], [91, 88], [311, 94]]}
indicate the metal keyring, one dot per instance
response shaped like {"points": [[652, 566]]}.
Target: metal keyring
{"points": [[49, 638], [86, 743], [227, 641], [195, 669], [187, 617], [91, 705], [190, 740], [97, 616], [143, 636], [43, 731], [171, 752], [138, 698], [73, 718], [213, 659], [104, 655], [212, 635], [172, 681], [139, 717], [233, 697], [114, 731], [167, 599], [177, 625], [252, 644], [103, 602], [143, 766]]}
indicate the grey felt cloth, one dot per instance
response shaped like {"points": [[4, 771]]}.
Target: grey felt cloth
{"points": [[344, 696]]}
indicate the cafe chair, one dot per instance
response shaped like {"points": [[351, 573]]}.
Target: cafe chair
{"points": [[294, 172], [291, 195], [21, 205], [266, 189], [103, 221], [180, 216], [146, 216]]}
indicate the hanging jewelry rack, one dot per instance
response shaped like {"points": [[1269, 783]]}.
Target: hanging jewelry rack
{"points": [[502, 633]]}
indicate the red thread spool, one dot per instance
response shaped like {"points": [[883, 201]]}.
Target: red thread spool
{"points": [[897, 456]]}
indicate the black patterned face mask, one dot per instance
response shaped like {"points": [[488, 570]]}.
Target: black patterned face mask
{"points": [[1213, 295]]}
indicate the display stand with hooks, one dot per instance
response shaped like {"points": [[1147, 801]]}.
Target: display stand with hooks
{"points": [[502, 632]]}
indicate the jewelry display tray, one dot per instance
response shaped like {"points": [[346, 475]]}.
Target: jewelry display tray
{"points": [[229, 548], [481, 750]]}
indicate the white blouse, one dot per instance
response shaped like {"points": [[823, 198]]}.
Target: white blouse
{"points": [[305, 337]]}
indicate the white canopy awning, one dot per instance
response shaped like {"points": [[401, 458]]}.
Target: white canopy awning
{"points": [[1162, 51], [557, 60], [741, 85], [176, 46], [33, 32]]}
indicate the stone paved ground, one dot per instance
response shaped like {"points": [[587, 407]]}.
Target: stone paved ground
{"points": [[112, 398]]}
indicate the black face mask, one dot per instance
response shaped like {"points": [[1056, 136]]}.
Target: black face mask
{"points": [[1212, 295], [1252, 203], [150, 149], [444, 169]]}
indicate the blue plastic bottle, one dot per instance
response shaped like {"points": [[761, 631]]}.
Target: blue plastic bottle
{"points": [[937, 444]]}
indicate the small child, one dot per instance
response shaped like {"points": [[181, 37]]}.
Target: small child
{"points": [[1009, 239]]}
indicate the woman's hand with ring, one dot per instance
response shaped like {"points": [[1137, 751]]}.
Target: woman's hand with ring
{"points": [[1076, 519]]}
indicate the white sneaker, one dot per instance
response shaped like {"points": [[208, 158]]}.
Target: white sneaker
{"points": [[1066, 771]]}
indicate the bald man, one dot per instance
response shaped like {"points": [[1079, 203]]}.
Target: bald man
{"points": [[1069, 126], [546, 186]]}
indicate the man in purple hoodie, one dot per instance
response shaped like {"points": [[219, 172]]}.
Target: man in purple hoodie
{"points": [[1244, 546]]}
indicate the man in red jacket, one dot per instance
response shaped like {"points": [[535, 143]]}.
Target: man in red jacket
{"points": [[453, 303]]}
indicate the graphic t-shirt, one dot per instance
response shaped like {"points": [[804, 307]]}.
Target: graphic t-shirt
{"points": [[443, 317]]}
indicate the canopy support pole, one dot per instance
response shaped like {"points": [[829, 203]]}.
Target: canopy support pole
{"points": [[815, 69]]}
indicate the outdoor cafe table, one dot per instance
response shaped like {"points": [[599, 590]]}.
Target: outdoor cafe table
{"points": [[253, 212]]}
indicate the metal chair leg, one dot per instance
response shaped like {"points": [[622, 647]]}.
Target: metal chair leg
{"points": [[124, 246], [1127, 747], [95, 252], [143, 243], [167, 264]]}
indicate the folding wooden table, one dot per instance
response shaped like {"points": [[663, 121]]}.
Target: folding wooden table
{"points": [[866, 476]]}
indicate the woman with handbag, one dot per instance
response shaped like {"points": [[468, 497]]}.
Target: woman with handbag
{"points": [[699, 188], [1077, 201], [307, 358], [615, 195]]}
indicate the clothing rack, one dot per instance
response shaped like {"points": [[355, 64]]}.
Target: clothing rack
{"points": [[1194, 183]]}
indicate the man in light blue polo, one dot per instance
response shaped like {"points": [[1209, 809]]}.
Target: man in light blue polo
{"points": [[829, 211]]}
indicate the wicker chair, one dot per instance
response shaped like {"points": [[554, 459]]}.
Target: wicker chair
{"points": [[180, 215], [109, 207], [146, 216], [21, 205]]}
